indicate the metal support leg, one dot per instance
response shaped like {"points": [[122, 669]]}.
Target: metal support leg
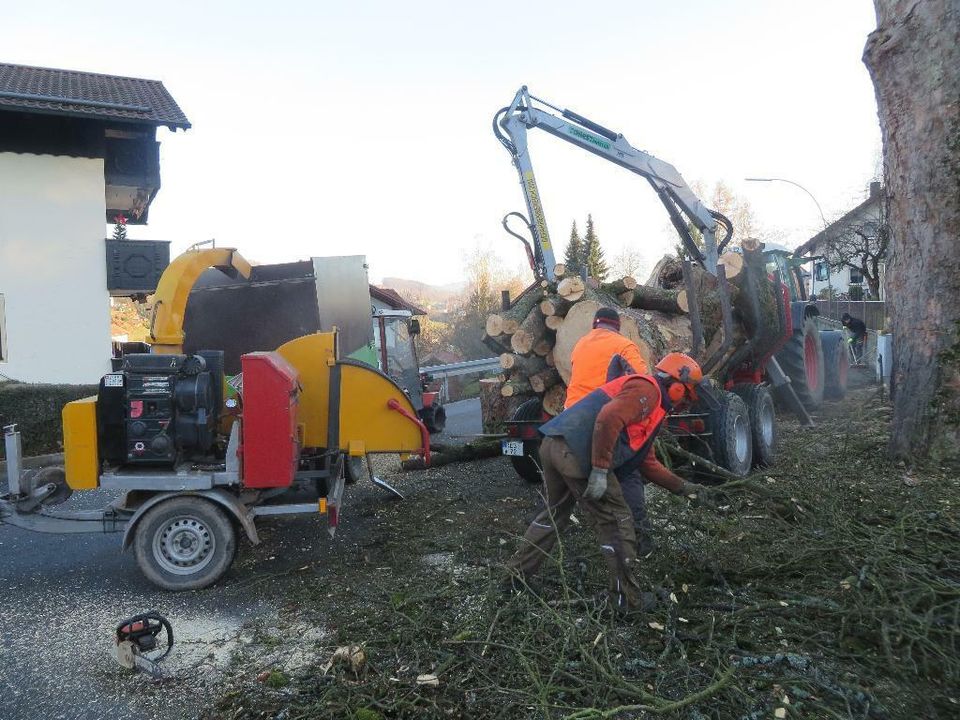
{"points": [[14, 449]]}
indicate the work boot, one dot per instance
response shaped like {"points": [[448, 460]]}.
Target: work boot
{"points": [[645, 543], [516, 583]]}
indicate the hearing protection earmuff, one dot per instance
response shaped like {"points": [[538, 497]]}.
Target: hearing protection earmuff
{"points": [[676, 392]]}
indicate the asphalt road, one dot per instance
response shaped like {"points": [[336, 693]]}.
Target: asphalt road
{"points": [[463, 420], [61, 597]]}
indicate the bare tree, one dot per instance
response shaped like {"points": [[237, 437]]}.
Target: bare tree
{"points": [[629, 261], [737, 209], [486, 277], [862, 245], [914, 60]]}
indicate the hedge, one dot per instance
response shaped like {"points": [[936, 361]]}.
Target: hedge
{"points": [[35, 409]]}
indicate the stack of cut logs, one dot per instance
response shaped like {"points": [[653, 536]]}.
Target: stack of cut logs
{"points": [[536, 335]]}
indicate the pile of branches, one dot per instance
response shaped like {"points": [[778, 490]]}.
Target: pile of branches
{"points": [[829, 588]]}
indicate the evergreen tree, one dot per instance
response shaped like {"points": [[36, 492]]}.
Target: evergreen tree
{"points": [[120, 229], [596, 263], [573, 257]]}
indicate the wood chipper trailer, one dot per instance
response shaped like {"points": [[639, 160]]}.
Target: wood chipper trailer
{"points": [[734, 423], [195, 468]]}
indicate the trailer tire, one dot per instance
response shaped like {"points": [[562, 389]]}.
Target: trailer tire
{"points": [[184, 543], [802, 360], [438, 420], [528, 465], [763, 421], [731, 440], [836, 363], [353, 469]]}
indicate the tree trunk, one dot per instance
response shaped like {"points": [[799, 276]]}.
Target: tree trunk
{"points": [[644, 297], [914, 59], [494, 407], [531, 330]]}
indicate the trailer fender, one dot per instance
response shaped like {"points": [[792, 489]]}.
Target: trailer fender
{"points": [[232, 504]]}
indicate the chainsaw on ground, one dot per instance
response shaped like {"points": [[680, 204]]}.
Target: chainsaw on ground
{"points": [[137, 646]]}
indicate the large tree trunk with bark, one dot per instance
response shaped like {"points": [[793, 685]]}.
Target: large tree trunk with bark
{"points": [[914, 60]]}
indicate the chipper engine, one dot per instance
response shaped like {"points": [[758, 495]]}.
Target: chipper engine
{"points": [[192, 464]]}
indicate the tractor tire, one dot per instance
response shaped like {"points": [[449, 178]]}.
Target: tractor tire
{"points": [[836, 362], [730, 440], [802, 360], [435, 418], [353, 469], [763, 421], [184, 543], [528, 465]]}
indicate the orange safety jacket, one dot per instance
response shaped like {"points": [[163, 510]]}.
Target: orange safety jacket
{"points": [[591, 358], [575, 425]]}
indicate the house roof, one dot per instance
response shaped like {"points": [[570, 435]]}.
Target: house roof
{"points": [[48, 91], [821, 236], [394, 300]]}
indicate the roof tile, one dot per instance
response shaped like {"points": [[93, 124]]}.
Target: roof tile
{"points": [[81, 94]]}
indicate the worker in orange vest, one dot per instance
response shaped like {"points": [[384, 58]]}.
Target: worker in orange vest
{"points": [[609, 433], [599, 356], [591, 356]]}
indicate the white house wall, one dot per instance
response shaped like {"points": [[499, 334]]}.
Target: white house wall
{"points": [[53, 272]]}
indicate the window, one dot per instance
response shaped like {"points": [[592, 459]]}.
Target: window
{"points": [[856, 277], [821, 272], [3, 332]]}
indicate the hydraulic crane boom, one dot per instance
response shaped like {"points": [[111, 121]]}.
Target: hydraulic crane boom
{"points": [[680, 201]]}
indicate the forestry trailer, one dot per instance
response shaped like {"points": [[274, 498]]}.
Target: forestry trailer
{"points": [[743, 311], [195, 462]]}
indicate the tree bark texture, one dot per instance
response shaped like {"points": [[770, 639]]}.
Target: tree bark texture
{"points": [[914, 59]]}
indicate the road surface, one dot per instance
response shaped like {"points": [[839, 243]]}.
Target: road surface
{"points": [[61, 597]]}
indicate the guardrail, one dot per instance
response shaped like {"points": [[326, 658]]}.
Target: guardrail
{"points": [[467, 367]]}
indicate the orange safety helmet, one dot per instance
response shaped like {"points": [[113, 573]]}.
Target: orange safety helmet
{"points": [[684, 369]]}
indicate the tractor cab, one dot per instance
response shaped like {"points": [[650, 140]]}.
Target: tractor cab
{"points": [[394, 339]]}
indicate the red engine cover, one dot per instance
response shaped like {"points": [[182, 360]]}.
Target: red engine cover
{"points": [[269, 448]]}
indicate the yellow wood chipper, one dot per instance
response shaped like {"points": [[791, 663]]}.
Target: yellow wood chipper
{"points": [[198, 461]]}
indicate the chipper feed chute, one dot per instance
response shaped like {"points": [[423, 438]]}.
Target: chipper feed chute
{"points": [[350, 406]]}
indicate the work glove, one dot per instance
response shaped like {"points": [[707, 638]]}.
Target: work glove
{"points": [[596, 484], [698, 495]]}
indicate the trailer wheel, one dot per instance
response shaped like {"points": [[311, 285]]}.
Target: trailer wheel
{"points": [[184, 543], [802, 360], [836, 361], [731, 440], [763, 421], [352, 469], [528, 465]]}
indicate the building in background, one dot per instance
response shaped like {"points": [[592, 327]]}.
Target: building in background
{"points": [[77, 149], [858, 230]]}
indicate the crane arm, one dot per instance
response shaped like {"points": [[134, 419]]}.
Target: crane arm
{"points": [[170, 300], [677, 197]]}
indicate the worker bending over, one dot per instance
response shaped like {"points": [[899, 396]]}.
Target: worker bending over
{"points": [[591, 367], [858, 333], [606, 434]]}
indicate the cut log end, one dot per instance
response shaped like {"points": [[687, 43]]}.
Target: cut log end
{"points": [[553, 399], [553, 322], [732, 263], [571, 289]]}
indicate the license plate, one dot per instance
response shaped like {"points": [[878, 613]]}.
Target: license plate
{"points": [[512, 447]]}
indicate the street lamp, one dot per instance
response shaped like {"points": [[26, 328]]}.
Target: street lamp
{"points": [[819, 209]]}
